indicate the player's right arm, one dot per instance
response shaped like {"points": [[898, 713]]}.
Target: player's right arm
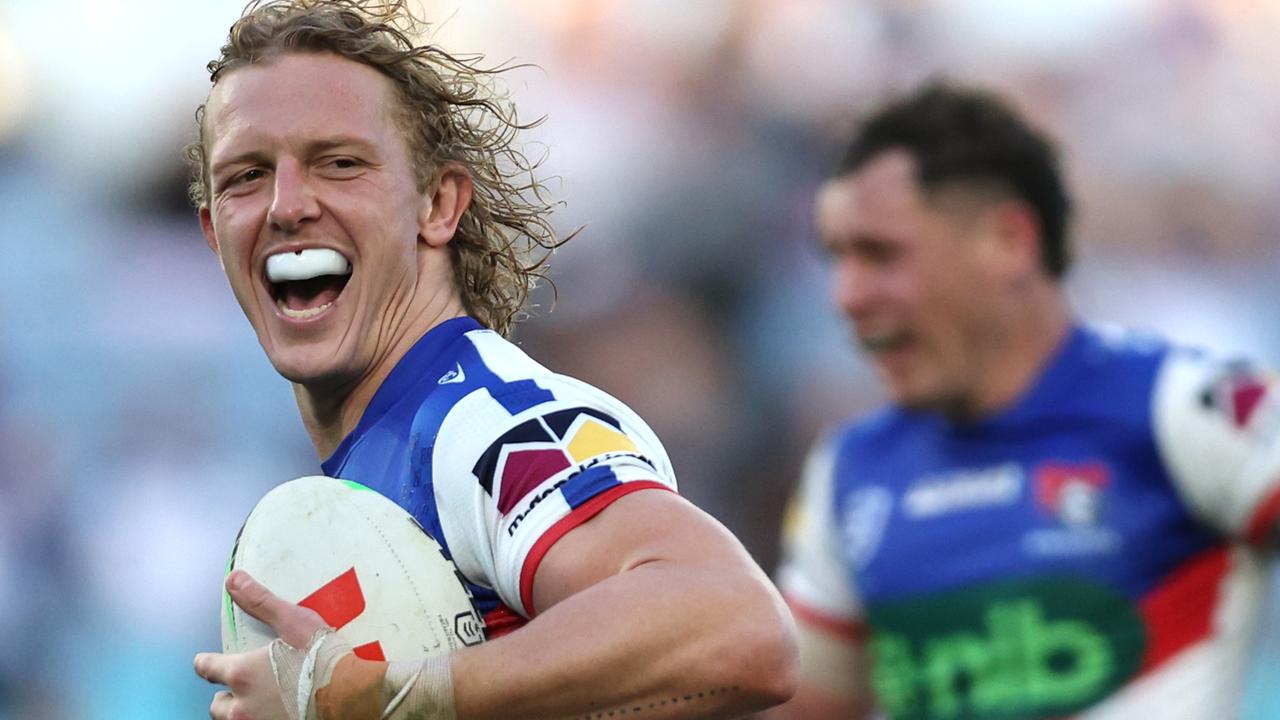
{"points": [[834, 675]]}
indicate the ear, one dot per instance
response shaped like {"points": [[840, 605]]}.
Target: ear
{"points": [[443, 209], [206, 227], [1013, 234]]}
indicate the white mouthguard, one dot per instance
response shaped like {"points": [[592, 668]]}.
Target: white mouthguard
{"points": [[306, 264]]}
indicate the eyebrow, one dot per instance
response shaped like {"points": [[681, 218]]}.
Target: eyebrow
{"points": [[315, 147]]}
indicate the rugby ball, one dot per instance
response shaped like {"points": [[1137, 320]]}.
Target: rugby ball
{"points": [[360, 561]]}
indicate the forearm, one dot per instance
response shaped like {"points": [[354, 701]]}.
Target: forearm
{"points": [[663, 640]]}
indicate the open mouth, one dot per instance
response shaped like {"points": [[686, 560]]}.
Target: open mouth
{"points": [[306, 282], [884, 342]]}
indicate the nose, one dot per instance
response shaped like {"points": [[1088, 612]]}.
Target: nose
{"points": [[294, 202]]}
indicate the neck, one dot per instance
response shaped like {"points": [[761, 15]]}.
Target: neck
{"points": [[330, 412], [1016, 352]]}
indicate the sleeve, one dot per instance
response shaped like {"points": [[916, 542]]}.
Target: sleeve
{"points": [[509, 486], [1217, 429], [813, 575]]}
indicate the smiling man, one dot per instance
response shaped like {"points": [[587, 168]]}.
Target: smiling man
{"points": [[1049, 520], [375, 222]]}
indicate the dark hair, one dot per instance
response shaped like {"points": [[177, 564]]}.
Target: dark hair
{"points": [[962, 134], [450, 109]]}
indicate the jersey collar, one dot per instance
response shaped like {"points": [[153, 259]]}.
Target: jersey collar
{"points": [[403, 377]]}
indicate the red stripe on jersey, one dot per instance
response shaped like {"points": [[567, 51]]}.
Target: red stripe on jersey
{"points": [[500, 621], [581, 514], [1179, 612], [843, 628], [1263, 522]]}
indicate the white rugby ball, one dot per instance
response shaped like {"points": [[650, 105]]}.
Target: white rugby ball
{"points": [[360, 561]]}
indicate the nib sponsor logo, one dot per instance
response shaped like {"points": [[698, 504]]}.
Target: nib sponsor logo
{"points": [[1029, 650]]}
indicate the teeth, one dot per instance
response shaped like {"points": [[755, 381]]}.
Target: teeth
{"points": [[302, 314], [306, 264]]}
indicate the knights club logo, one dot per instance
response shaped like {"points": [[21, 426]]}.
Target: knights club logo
{"points": [[1072, 491], [1236, 392]]}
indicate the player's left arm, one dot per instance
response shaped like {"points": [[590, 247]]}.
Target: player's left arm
{"points": [[1217, 428], [651, 608]]}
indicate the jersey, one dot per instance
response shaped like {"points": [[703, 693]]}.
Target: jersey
{"points": [[1085, 553], [496, 457]]}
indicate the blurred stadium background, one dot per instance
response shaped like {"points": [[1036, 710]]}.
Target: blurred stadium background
{"points": [[139, 421]]}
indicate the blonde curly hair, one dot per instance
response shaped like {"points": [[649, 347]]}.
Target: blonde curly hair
{"points": [[451, 109]]}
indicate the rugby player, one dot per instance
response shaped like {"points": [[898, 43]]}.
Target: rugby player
{"points": [[1050, 519], [377, 224]]}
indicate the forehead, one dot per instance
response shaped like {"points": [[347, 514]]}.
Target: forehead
{"points": [[299, 96], [879, 198]]}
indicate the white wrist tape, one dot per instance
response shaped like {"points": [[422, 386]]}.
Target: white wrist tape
{"points": [[299, 672], [420, 690]]}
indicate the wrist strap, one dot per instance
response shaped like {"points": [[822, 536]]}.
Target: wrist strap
{"points": [[420, 690], [299, 672]]}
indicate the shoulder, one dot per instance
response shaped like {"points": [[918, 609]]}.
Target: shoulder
{"points": [[1110, 372], [502, 398], [1120, 350]]}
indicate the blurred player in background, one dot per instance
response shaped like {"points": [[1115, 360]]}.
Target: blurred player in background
{"points": [[1050, 519], [376, 221]]}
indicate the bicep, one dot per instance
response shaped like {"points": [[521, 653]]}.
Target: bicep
{"points": [[646, 526]]}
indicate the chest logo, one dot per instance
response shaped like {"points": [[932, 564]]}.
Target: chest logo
{"points": [[1073, 492]]}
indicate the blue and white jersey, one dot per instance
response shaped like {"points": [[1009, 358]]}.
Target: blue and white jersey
{"points": [[1075, 555], [496, 457]]}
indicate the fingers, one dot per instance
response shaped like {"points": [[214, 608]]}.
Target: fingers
{"points": [[220, 708], [253, 693], [295, 625], [214, 667]]}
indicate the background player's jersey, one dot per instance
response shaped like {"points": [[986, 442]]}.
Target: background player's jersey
{"points": [[1073, 555], [496, 457]]}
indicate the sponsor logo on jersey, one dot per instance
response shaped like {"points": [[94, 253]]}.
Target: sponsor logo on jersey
{"points": [[948, 493], [566, 442], [1236, 391], [1025, 649]]}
